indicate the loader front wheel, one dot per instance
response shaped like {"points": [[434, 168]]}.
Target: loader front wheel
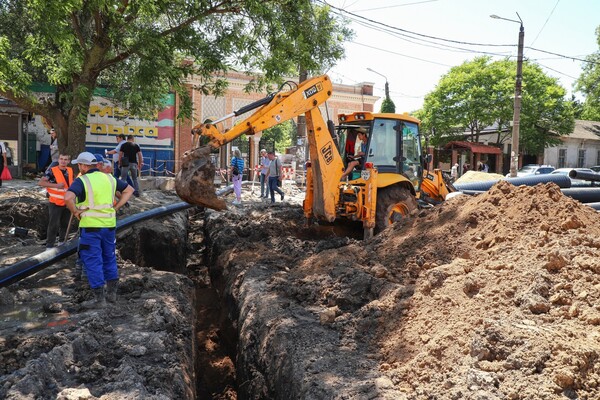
{"points": [[394, 204]]}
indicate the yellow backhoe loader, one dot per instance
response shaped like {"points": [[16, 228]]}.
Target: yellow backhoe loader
{"points": [[389, 183]]}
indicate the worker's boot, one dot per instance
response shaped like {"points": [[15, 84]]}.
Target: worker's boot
{"points": [[111, 290], [99, 300]]}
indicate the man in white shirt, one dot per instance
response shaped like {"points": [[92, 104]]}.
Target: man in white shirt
{"points": [[115, 155]]}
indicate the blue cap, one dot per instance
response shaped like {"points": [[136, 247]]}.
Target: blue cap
{"points": [[99, 157]]}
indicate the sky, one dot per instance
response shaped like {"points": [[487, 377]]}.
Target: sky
{"points": [[401, 40]]}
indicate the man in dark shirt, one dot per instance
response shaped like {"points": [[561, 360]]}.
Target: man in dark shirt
{"points": [[131, 162]]}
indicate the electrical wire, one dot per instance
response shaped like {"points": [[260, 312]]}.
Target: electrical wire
{"points": [[545, 22], [395, 31]]}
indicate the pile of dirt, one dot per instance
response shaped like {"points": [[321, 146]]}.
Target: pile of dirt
{"points": [[504, 301], [487, 297]]}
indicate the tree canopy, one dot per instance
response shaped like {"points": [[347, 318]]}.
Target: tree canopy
{"points": [[479, 94], [589, 84], [140, 50]]}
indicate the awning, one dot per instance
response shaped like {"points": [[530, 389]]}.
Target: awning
{"points": [[473, 147]]}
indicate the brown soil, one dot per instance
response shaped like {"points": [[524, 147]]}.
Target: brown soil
{"points": [[487, 297]]}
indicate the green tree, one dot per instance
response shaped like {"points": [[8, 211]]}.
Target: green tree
{"points": [[589, 84], [282, 135], [480, 93], [140, 50], [388, 106]]}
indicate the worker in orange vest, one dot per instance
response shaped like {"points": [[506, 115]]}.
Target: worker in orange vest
{"points": [[57, 180]]}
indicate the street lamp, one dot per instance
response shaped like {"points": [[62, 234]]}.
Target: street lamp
{"points": [[514, 165], [387, 86]]}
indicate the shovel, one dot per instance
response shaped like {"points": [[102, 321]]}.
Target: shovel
{"points": [[69, 226]]}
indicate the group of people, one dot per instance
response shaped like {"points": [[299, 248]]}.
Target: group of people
{"points": [[481, 167], [270, 175], [93, 198]]}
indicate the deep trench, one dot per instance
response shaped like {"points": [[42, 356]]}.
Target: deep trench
{"points": [[162, 245]]}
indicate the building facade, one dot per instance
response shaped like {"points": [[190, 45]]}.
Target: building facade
{"points": [[580, 149], [163, 138]]}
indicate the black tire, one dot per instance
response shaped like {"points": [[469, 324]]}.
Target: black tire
{"points": [[394, 203]]}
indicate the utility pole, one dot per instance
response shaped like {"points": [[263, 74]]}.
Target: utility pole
{"points": [[514, 156]]}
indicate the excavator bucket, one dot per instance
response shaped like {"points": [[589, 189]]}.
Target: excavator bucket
{"points": [[195, 181]]}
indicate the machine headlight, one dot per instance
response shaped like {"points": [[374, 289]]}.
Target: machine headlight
{"points": [[365, 174]]}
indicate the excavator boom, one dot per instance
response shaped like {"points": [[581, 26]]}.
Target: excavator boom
{"points": [[195, 181]]}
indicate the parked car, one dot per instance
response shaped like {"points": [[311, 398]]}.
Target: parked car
{"points": [[533, 169], [576, 182], [595, 168]]}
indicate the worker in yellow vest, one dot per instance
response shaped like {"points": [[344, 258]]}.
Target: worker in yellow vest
{"points": [[94, 192], [57, 180]]}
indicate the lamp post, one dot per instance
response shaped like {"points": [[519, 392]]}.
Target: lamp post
{"points": [[514, 165], [387, 86]]}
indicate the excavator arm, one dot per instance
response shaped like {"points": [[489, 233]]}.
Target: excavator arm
{"points": [[195, 181]]}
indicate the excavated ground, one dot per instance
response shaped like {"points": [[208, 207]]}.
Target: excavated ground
{"points": [[487, 297]]}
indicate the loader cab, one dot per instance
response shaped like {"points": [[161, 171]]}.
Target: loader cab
{"points": [[393, 145]]}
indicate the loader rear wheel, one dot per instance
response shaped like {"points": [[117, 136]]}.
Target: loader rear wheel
{"points": [[394, 203]]}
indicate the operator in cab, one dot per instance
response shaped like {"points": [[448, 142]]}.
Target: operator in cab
{"points": [[360, 149]]}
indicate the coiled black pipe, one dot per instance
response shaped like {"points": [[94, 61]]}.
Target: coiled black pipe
{"points": [[586, 176], [588, 196], [29, 266], [584, 195], [562, 181]]}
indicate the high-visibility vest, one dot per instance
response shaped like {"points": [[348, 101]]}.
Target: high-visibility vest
{"points": [[99, 199], [57, 196]]}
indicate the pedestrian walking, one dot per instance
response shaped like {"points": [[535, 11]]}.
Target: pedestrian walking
{"points": [[274, 176], [131, 161], [454, 172], [57, 180], [91, 199], [237, 172], [264, 167], [9, 156]]}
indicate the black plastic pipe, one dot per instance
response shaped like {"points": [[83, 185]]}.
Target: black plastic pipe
{"points": [[595, 206], [562, 181], [586, 176], [584, 195], [29, 266], [588, 196]]}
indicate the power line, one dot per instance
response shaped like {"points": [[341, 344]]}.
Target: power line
{"points": [[397, 5], [543, 26], [402, 55], [410, 32], [398, 31]]}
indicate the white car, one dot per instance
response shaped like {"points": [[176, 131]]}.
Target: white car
{"points": [[533, 169], [577, 182]]}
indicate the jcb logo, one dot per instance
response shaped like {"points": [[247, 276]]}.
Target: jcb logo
{"points": [[327, 153], [314, 89]]}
